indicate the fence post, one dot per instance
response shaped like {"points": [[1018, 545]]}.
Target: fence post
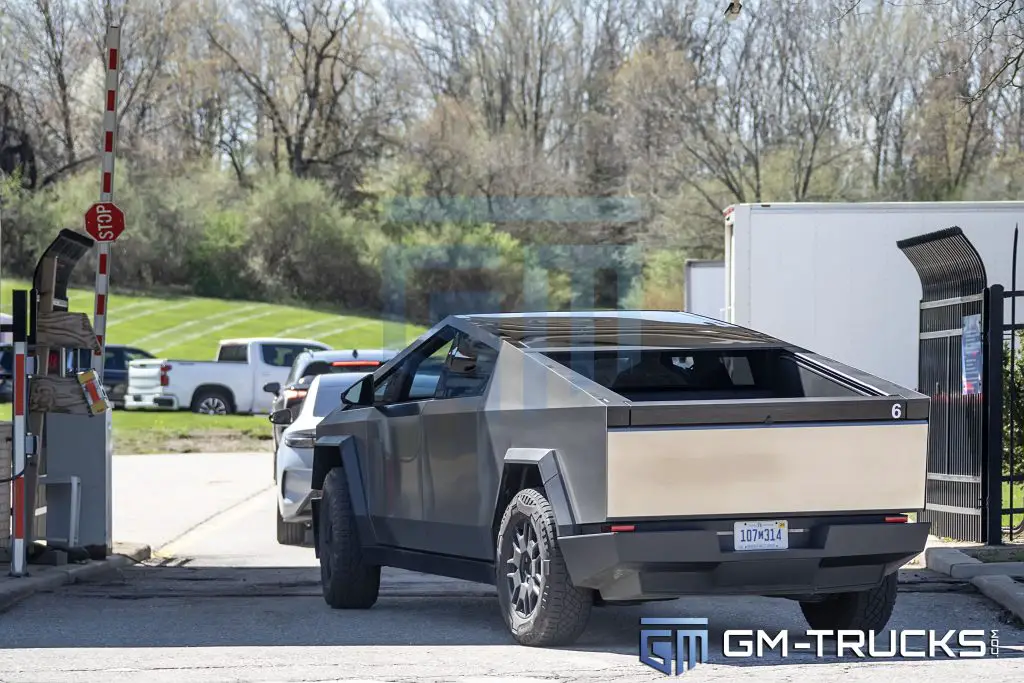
{"points": [[992, 452]]}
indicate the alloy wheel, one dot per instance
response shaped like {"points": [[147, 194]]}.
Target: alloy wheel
{"points": [[524, 575], [213, 405]]}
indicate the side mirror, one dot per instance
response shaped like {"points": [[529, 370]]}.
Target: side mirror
{"points": [[281, 417], [272, 387]]}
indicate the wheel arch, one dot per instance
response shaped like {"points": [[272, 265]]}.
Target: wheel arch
{"points": [[330, 452], [528, 468], [215, 388]]}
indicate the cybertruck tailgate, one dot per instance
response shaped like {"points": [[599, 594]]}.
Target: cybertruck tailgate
{"points": [[800, 456]]}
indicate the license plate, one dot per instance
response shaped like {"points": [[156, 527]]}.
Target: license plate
{"points": [[761, 535]]}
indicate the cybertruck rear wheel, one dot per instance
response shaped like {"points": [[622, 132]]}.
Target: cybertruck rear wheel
{"points": [[541, 608], [868, 610], [347, 581]]}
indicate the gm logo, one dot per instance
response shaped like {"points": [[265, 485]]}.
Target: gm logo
{"points": [[675, 641]]}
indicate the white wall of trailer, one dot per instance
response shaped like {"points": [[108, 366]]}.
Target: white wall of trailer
{"points": [[704, 288], [829, 277]]}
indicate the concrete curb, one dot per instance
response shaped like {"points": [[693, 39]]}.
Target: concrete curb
{"points": [[47, 578], [960, 565], [950, 561], [1004, 591], [992, 579]]}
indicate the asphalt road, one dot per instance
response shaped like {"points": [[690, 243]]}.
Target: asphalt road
{"points": [[229, 604]]}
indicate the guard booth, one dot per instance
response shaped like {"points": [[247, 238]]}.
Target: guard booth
{"points": [[963, 348], [57, 469]]}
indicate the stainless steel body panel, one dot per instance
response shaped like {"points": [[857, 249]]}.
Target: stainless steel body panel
{"points": [[766, 470]]}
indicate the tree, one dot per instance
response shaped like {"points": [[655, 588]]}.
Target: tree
{"points": [[311, 71], [51, 62]]}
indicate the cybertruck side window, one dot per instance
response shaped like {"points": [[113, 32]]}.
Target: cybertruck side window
{"points": [[427, 373], [700, 374], [355, 392], [467, 369], [415, 379]]}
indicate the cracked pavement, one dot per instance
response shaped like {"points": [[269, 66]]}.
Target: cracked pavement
{"points": [[224, 602]]}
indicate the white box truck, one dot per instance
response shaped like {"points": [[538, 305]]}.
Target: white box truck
{"points": [[830, 278], [704, 288]]}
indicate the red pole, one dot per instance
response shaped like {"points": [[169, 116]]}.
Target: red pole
{"points": [[19, 433]]}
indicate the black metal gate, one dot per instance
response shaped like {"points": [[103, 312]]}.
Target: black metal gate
{"points": [[954, 312]]}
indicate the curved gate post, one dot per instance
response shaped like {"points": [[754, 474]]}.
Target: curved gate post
{"points": [[952, 370]]}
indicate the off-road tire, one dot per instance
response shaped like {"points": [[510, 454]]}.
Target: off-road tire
{"points": [[290, 533], [347, 581], [202, 395], [868, 610], [562, 611]]}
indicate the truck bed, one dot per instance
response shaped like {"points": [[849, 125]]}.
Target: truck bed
{"points": [[183, 377], [753, 432], [772, 470]]}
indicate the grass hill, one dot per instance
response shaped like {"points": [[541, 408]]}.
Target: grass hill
{"points": [[189, 328]]}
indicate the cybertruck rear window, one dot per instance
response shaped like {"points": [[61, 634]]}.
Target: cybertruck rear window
{"points": [[701, 374]]}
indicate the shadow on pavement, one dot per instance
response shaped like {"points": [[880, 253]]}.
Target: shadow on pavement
{"points": [[183, 606]]}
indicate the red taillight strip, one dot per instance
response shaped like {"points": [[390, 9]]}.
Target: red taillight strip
{"points": [[615, 528], [897, 519]]}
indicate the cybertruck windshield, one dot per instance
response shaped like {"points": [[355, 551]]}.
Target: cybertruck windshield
{"points": [[640, 375]]}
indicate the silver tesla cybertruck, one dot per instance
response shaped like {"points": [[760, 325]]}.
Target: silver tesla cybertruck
{"points": [[581, 459]]}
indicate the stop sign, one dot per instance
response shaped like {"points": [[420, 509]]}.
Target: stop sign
{"points": [[104, 221]]}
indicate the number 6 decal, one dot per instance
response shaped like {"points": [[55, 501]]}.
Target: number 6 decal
{"points": [[897, 411]]}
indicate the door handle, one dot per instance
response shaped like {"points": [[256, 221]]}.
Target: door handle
{"points": [[398, 409]]}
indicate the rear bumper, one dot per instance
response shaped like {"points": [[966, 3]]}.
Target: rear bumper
{"points": [[823, 558], [150, 401]]}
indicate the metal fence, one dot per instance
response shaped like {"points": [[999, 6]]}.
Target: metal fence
{"points": [[954, 287], [1010, 476], [962, 353]]}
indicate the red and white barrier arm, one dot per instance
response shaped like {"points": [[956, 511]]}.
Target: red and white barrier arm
{"points": [[113, 47]]}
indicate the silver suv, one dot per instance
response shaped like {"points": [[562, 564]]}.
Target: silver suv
{"points": [[308, 365]]}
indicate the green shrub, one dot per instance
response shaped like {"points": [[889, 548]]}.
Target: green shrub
{"points": [[286, 239], [1013, 408]]}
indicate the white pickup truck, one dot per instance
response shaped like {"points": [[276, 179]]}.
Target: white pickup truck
{"points": [[233, 383]]}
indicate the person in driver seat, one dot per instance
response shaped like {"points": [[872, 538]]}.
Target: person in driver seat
{"points": [[464, 369]]}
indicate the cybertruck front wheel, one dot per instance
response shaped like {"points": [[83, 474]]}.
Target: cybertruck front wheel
{"points": [[541, 606], [347, 581], [868, 610]]}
